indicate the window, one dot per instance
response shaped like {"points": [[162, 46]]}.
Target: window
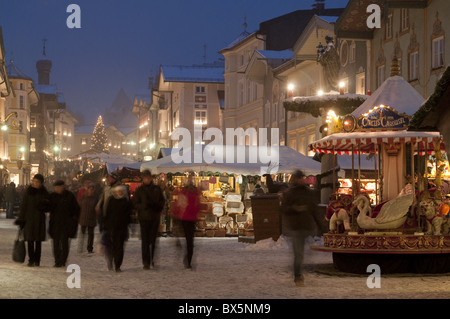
{"points": [[311, 139], [352, 54], [21, 87], [21, 102], [200, 90], [32, 144], [388, 26], [413, 66], [361, 83], [200, 117], [302, 145], [404, 20], [32, 121], [83, 141], [438, 53], [241, 94], [381, 70], [248, 91]]}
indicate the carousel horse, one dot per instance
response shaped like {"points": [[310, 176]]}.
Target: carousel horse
{"points": [[433, 217], [338, 212], [392, 214]]}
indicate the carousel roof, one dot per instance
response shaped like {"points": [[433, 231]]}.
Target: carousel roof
{"points": [[345, 143], [396, 93]]}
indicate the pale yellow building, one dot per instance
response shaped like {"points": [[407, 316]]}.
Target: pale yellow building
{"points": [[18, 107]]}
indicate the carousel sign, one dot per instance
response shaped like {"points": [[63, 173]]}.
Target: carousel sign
{"points": [[383, 117]]}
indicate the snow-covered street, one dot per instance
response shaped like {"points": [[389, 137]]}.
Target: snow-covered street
{"points": [[224, 269]]}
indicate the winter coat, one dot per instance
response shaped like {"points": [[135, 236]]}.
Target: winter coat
{"points": [[188, 204], [149, 201], [299, 209], [118, 216], [64, 214], [10, 194], [35, 204], [88, 216]]}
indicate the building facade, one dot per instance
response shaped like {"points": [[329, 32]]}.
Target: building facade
{"points": [[414, 31], [186, 96], [18, 106]]}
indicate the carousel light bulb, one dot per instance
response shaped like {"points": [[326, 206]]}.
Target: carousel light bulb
{"points": [[320, 93], [341, 84]]}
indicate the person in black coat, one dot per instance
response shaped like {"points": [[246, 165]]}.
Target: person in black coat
{"points": [[116, 220], [35, 204], [149, 201], [63, 223], [300, 216]]}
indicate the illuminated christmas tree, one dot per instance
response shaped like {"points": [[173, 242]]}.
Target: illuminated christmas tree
{"points": [[99, 137]]}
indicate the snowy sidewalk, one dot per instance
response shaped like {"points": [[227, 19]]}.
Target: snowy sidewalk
{"points": [[224, 269]]}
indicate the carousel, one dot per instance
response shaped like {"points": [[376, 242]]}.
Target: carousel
{"points": [[402, 225]]}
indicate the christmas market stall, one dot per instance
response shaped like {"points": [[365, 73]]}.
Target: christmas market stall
{"points": [[228, 186]]}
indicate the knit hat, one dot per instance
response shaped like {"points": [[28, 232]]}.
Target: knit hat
{"points": [[59, 182], [146, 173], [39, 177]]}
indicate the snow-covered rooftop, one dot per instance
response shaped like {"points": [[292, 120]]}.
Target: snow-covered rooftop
{"points": [[14, 72], [199, 74]]}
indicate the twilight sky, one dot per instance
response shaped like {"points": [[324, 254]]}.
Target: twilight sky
{"points": [[123, 42]]}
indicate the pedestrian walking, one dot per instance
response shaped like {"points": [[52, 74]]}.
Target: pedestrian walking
{"points": [[88, 217], [102, 203], [186, 209], [149, 201], [299, 214], [32, 218], [10, 199], [116, 220], [63, 223]]}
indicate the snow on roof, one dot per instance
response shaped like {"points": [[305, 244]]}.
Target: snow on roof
{"points": [[396, 93], [280, 55], [329, 96], [199, 74], [14, 72], [244, 35]]}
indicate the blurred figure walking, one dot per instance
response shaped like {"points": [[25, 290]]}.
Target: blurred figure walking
{"points": [[88, 217], [32, 218], [299, 211], [186, 209], [10, 199], [149, 201], [116, 220], [63, 223]]}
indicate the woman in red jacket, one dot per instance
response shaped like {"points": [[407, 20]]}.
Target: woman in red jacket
{"points": [[186, 209]]}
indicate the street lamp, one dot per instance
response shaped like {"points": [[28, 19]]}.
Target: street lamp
{"points": [[290, 90]]}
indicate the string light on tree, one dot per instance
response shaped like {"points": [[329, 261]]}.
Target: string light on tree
{"points": [[99, 138]]}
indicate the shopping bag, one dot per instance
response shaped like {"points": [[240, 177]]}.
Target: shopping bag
{"points": [[19, 251]]}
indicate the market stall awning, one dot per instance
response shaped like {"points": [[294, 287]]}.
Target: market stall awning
{"points": [[286, 161], [345, 143]]}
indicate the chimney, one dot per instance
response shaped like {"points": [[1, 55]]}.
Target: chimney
{"points": [[319, 5]]}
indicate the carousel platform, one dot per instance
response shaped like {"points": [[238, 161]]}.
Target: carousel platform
{"points": [[394, 253]]}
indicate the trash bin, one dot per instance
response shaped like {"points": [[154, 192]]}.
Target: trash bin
{"points": [[266, 216]]}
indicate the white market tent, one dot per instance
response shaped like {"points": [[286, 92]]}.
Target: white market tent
{"points": [[282, 160]]}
